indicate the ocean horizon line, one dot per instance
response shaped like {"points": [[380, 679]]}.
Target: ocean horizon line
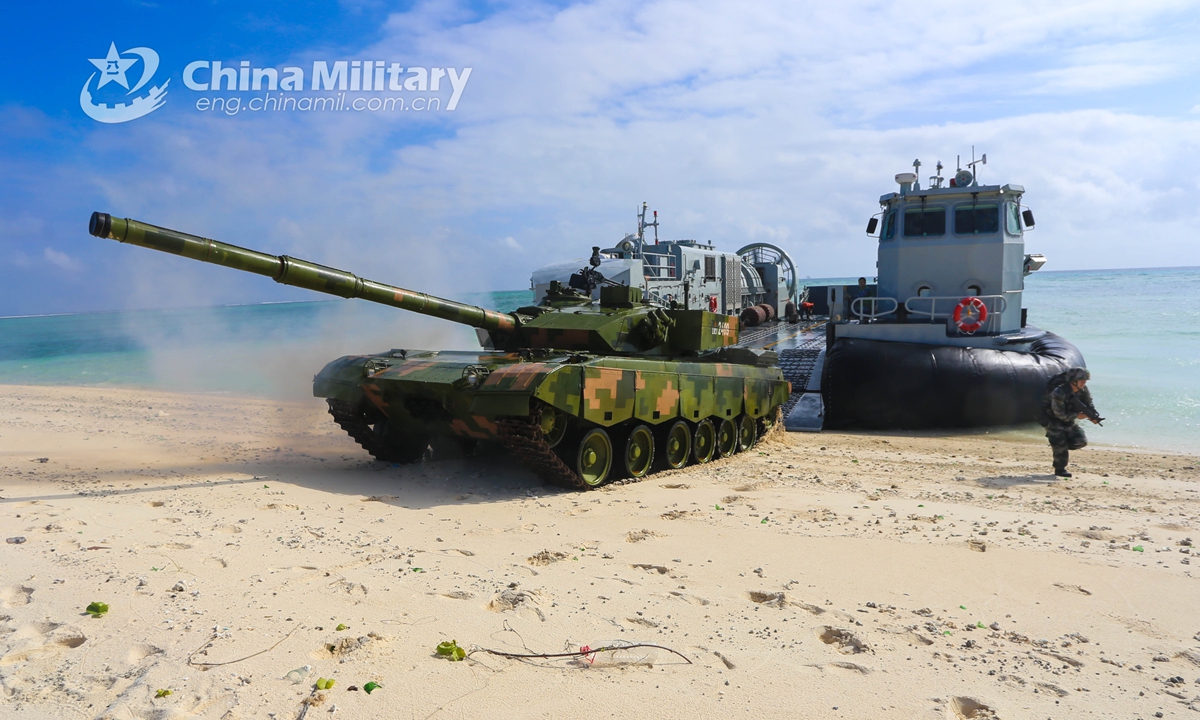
{"points": [[806, 280]]}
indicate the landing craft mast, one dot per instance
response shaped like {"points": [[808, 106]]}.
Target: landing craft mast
{"points": [[642, 224]]}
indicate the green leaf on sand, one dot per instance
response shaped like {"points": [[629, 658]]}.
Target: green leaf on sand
{"points": [[162, 692], [97, 609], [371, 686], [451, 651], [341, 627]]}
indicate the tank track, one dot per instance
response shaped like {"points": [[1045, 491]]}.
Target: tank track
{"points": [[350, 419], [523, 438]]}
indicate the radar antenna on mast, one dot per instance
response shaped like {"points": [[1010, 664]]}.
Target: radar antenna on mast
{"points": [[642, 224], [974, 162]]}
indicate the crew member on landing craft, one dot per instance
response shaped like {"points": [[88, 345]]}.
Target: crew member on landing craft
{"points": [[1068, 399]]}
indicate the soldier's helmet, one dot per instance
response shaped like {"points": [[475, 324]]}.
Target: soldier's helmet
{"points": [[1076, 374]]}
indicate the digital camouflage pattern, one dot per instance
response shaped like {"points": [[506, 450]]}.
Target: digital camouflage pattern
{"points": [[563, 369], [1062, 408]]}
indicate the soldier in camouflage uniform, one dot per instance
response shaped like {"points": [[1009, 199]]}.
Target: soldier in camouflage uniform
{"points": [[1066, 396]]}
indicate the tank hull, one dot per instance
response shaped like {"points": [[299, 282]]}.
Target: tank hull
{"points": [[882, 385], [404, 399]]}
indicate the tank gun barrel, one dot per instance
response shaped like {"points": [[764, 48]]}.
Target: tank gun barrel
{"points": [[295, 272]]}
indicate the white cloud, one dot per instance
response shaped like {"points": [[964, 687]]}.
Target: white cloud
{"points": [[61, 260]]}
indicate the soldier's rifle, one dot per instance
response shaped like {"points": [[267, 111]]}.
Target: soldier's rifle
{"points": [[1079, 405]]}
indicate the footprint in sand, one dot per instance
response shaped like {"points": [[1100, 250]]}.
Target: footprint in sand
{"points": [[841, 667], [965, 708], [46, 643], [634, 536], [843, 641], [770, 599], [138, 653], [693, 599], [661, 570], [18, 596], [227, 529]]}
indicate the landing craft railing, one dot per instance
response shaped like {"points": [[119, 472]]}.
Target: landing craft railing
{"points": [[858, 307], [995, 305], [654, 270]]}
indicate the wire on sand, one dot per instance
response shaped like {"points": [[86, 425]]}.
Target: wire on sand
{"points": [[208, 643]]}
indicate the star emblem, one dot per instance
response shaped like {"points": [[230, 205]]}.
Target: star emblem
{"points": [[112, 67]]}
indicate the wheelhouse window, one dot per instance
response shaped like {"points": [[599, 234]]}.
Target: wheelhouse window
{"points": [[976, 219], [1012, 218], [924, 222], [889, 226]]}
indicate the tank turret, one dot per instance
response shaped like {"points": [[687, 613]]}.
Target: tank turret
{"points": [[623, 323], [581, 391]]}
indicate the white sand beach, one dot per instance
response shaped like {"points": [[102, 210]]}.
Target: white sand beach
{"points": [[816, 576]]}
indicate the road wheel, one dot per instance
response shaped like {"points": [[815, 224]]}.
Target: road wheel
{"points": [[553, 423], [727, 438], [675, 442], [747, 433], [639, 452], [704, 441], [594, 458]]}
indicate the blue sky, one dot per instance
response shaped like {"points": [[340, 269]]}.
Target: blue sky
{"points": [[779, 122]]}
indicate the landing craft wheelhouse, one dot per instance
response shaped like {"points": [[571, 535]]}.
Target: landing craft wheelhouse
{"points": [[942, 339]]}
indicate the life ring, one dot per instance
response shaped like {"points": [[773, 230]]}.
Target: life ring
{"points": [[970, 314], [712, 303]]}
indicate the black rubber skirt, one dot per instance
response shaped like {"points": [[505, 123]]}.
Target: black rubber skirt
{"points": [[870, 384]]}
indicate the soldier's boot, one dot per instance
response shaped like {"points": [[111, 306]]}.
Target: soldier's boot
{"points": [[1061, 457]]}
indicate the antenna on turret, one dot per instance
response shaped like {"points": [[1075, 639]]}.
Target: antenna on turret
{"points": [[917, 172], [936, 180]]}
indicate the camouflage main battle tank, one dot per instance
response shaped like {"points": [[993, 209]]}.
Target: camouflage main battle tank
{"points": [[583, 393]]}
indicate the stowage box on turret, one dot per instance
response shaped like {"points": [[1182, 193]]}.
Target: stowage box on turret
{"points": [[582, 392]]}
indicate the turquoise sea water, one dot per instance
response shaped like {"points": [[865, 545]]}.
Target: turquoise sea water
{"points": [[1138, 329]]}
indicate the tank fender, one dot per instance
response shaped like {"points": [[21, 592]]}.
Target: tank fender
{"points": [[561, 389], [608, 394], [342, 378], [730, 396], [697, 400], [508, 389], [760, 396], [657, 396]]}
